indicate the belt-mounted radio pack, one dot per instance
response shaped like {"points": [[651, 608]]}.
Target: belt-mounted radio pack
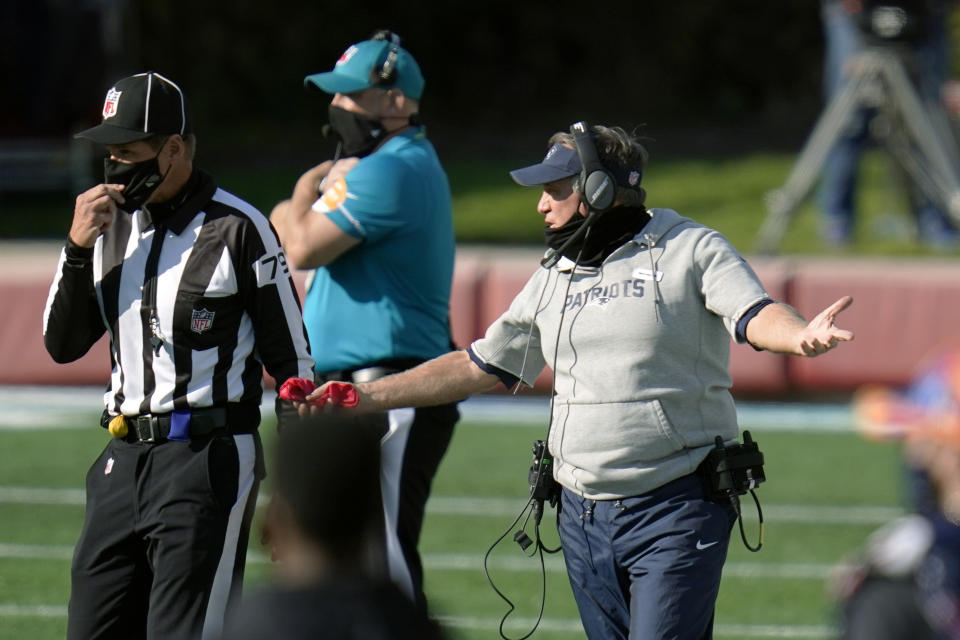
{"points": [[543, 488], [731, 470]]}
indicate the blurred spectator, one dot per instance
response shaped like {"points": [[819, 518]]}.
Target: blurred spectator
{"points": [[905, 584], [326, 496], [849, 27]]}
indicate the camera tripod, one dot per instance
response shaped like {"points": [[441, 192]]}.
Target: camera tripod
{"points": [[918, 135]]}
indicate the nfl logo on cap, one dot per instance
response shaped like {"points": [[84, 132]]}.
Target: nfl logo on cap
{"points": [[345, 57], [152, 105], [110, 104]]}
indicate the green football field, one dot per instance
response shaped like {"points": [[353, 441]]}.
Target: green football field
{"points": [[826, 490]]}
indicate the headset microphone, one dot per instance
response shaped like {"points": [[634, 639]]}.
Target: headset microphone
{"points": [[327, 132], [553, 256], [596, 184]]}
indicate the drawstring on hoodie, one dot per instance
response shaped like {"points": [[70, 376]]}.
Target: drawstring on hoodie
{"points": [[653, 274]]}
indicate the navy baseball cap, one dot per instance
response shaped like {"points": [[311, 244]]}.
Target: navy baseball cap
{"points": [[560, 162], [359, 66], [138, 107]]}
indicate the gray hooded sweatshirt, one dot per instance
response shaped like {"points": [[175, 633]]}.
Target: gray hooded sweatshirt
{"points": [[642, 359]]}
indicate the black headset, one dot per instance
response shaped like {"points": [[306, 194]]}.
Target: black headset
{"points": [[596, 183], [386, 74]]}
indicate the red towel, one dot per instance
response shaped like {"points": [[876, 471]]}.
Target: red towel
{"points": [[341, 394], [296, 389]]}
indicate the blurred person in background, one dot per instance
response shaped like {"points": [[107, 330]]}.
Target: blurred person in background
{"points": [[905, 583], [634, 311], [191, 286], [326, 494], [376, 227], [923, 46]]}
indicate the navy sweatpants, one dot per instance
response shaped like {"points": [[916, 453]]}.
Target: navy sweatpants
{"points": [[646, 567]]}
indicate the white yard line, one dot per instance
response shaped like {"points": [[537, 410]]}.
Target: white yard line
{"points": [[474, 562], [806, 631], [573, 626], [505, 507], [33, 407], [554, 564], [816, 514], [556, 625], [9, 610]]}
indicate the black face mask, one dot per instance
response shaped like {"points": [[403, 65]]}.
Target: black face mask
{"points": [[358, 134], [555, 238], [140, 180], [610, 230]]}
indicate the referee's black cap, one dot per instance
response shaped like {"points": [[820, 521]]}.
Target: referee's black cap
{"points": [[138, 107]]}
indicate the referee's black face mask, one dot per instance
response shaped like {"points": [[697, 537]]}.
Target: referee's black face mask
{"points": [[140, 179]]}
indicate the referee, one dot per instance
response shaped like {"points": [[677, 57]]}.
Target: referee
{"points": [[192, 287]]}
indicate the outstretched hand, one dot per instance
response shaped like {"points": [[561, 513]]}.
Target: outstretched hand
{"points": [[822, 334], [309, 399]]}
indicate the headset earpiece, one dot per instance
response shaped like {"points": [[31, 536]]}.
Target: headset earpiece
{"points": [[597, 185], [386, 75]]}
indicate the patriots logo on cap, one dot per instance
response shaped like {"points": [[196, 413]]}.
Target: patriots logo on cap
{"points": [[110, 104], [347, 55], [201, 320]]}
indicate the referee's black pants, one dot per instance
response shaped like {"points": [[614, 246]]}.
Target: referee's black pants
{"points": [[410, 454], [164, 539]]}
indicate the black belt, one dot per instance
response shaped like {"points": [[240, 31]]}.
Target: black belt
{"points": [[155, 428]]}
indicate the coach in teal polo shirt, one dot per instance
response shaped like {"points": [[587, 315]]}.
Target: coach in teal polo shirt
{"points": [[389, 297], [375, 225]]}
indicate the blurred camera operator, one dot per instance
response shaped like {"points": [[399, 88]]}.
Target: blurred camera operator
{"points": [[917, 30]]}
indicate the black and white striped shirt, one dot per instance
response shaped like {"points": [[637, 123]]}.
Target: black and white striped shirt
{"points": [[196, 304]]}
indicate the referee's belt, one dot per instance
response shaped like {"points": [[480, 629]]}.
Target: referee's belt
{"points": [[156, 428], [370, 372]]}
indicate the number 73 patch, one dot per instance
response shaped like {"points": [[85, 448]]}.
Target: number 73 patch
{"points": [[270, 269]]}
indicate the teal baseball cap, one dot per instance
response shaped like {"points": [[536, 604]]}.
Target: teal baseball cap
{"points": [[379, 62]]}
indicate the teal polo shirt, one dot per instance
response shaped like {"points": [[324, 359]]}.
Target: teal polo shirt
{"points": [[389, 296]]}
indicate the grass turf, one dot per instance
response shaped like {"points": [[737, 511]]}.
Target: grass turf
{"points": [[486, 464]]}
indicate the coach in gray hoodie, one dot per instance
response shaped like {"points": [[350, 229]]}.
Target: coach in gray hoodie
{"points": [[633, 311]]}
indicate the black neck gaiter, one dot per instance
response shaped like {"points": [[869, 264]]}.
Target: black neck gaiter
{"points": [[610, 230]]}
